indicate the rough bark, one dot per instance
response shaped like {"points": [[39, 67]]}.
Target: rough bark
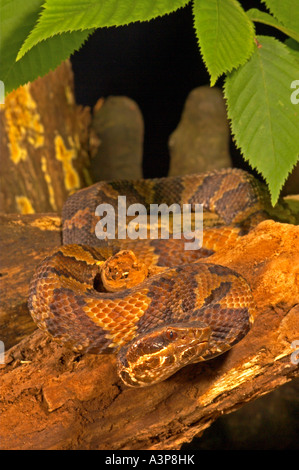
{"points": [[118, 124], [53, 398], [45, 144]]}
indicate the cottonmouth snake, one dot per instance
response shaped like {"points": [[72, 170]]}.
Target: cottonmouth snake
{"points": [[150, 301]]}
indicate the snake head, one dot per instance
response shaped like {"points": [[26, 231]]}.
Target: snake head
{"points": [[156, 355]]}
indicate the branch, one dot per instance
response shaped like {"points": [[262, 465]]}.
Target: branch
{"points": [[53, 398]]}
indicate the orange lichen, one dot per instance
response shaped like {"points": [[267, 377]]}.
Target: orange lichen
{"points": [[22, 123], [65, 156], [69, 95], [49, 183], [24, 205]]}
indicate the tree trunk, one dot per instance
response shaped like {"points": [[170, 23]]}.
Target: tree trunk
{"points": [[118, 125], [45, 144], [52, 398]]}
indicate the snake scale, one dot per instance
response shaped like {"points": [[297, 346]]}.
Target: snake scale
{"points": [[154, 304]]}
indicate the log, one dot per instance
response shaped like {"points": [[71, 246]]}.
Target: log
{"points": [[45, 146], [25, 240], [53, 398]]}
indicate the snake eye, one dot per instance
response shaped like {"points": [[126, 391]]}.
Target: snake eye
{"points": [[170, 334]]}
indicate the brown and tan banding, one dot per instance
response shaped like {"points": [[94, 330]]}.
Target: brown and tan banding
{"points": [[153, 303]]}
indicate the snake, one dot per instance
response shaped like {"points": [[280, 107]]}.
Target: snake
{"points": [[155, 305]]}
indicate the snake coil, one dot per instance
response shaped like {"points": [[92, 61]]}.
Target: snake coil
{"points": [[157, 306]]}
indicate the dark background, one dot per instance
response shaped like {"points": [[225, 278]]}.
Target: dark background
{"points": [[155, 63]]}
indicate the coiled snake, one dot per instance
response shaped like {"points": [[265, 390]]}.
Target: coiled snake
{"points": [[152, 302]]}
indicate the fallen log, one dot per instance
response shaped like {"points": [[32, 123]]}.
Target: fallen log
{"points": [[53, 398]]}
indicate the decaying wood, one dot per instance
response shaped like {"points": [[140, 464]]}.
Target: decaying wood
{"points": [[118, 125], [52, 398], [45, 144]]}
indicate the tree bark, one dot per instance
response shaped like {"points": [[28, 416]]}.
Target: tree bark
{"points": [[45, 144], [25, 240], [52, 398]]}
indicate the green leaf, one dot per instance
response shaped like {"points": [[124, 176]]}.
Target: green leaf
{"points": [[286, 11], [261, 17], [264, 121], [17, 20], [294, 45], [74, 15], [225, 35]]}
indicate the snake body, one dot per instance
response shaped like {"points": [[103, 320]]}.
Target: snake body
{"points": [[154, 304]]}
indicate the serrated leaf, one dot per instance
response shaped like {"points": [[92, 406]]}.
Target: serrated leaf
{"points": [[286, 11], [264, 121], [74, 15], [225, 35], [17, 20], [262, 17]]}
